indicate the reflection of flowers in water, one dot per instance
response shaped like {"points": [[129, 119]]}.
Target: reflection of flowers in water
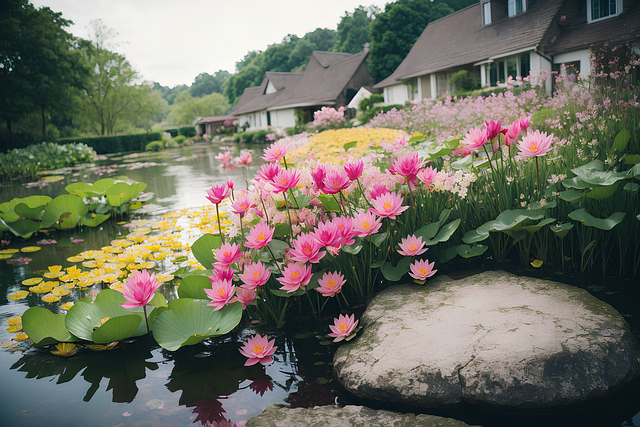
{"points": [[21, 260], [261, 384], [46, 242], [208, 411]]}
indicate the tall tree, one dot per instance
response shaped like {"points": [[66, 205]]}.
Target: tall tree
{"points": [[323, 38], [353, 29], [205, 83], [186, 109], [394, 32]]}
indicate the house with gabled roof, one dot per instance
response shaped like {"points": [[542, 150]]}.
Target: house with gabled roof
{"points": [[330, 79], [497, 39]]}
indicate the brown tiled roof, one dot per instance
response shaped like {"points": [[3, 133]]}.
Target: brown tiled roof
{"points": [[460, 38], [324, 78], [212, 119], [580, 34]]}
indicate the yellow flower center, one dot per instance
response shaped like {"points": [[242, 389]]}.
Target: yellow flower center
{"points": [[256, 274], [283, 182], [336, 185], [422, 271], [533, 148], [295, 274], [261, 236], [331, 283], [227, 253], [387, 206], [412, 247], [342, 327], [366, 225], [257, 349], [307, 250], [222, 292]]}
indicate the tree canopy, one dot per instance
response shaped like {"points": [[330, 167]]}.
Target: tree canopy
{"points": [[353, 29]]}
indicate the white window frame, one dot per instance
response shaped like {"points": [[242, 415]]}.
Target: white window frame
{"points": [[618, 11], [486, 13], [522, 2]]}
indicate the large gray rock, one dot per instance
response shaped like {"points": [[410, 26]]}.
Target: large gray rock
{"points": [[492, 338], [347, 416]]}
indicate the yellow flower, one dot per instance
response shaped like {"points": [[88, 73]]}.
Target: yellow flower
{"points": [[66, 305], [19, 295], [15, 320], [65, 349], [21, 337], [50, 298]]}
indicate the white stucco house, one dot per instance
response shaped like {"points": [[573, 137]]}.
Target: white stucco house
{"points": [[495, 39]]}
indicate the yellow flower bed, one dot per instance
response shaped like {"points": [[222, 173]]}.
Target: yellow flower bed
{"points": [[329, 145]]}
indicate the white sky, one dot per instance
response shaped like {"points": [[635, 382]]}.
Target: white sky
{"points": [[172, 41]]}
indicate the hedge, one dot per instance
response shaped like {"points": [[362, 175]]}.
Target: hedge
{"points": [[119, 143]]}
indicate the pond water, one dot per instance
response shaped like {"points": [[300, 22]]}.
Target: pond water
{"points": [[140, 384]]}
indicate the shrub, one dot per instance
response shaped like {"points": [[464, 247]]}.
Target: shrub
{"points": [[26, 162], [118, 143], [188, 131], [154, 146], [463, 81], [180, 139], [255, 137], [329, 117]]}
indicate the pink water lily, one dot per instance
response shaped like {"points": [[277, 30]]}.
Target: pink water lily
{"points": [[535, 144], [268, 171], [493, 128], [342, 327], [378, 190], [512, 133], [245, 296], [421, 269], [258, 349], [220, 293], [473, 140], [139, 289], [345, 227], [254, 275], [275, 152], [327, 234], [388, 205], [427, 175], [227, 255], [335, 181], [242, 204], [218, 193], [366, 224], [259, 236], [245, 157], [354, 168], [330, 284], [286, 179], [222, 274], [294, 277], [306, 249], [412, 246]]}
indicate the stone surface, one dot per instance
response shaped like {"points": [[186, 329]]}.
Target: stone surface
{"points": [[347, 416], [492, 338]]}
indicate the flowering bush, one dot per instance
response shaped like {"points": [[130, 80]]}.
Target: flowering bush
{"points": [[329, 117]]}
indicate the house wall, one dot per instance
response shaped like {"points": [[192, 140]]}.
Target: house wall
{"points": [[283, 118], [396, 94], [577, 55], [425, 86], [257, 120], [543, 67]]}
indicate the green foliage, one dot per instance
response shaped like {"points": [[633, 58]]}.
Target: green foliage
{"points": [[120, 143], [463, 81], [26, 162], [255, 137], [206, 84], [155, 146], [187, 131], [179, 139], [353, 29], [186, 108], [394, 32]]}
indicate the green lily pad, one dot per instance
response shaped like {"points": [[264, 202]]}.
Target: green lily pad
{"points": [[591, 221], [466, 251], [445, 233], [44, 327], [193, 287], [203, 247], [278, 247], [571, 196], [93, 220], [593, 173], [117, 328], [121, 193], [349, 145], [533, 228], [32, 207], [85, 189], [23, 227], [65, 210], [281, 230], [395, 273], [599, 193], [189, 321], [329, 203], [6, 210], [561, 230]]}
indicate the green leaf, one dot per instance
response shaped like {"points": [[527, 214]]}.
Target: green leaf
{"points": [[394, 274], [571, 196], [65, 210], [350, 145], [449, 254], [6, 210], [631, 159], [445, 233], [511, 219], [561, 230], [282, 230], [463, 163], [621, 141], [329, 203], [466, 251], [32, 207], [477, 235], [193, 287], [122, 192], [203, 247], [285, 294], [84, 189], [631, 186], [43, 327], [428, 231], [117, 328], [599, 193], [302, 200], [533, 228], [84, 317], [590, 221], [22, 227], [593, 173], [189, 321], [417, 139], [379, 238], [93, 220], [158, 300], [353, 249], [278, 247], [575, 182]]}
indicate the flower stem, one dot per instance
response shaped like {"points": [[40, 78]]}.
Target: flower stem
{"points": [[219, 226], [488, 158], [537, 176], [144, 307]]}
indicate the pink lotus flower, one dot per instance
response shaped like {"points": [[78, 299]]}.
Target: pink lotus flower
{"points": [[335, 181], [427, 175], [139, 289], [345, 225], [412, 246], [330, 284], [242, 204], [217, 193], [245, 157], [342, 327], [473, 140], [512, 133], [258, 349], [318, 176], [254, 275], [493, 129], [421, 269], [227, 255], [354, 169], [220, 293], [327, 233], [259, 236], [306, 249], [388, 205], [366, 224], [222, 274], [378, 190], [524, 123], [275, 152], [269, 171], [407, 165], [224, 158], [286, 179], [231, 184], [295, 276], [535, 144], [245, 296]]}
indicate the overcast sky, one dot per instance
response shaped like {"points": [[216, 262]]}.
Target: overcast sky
{"points": [[172, 41]]}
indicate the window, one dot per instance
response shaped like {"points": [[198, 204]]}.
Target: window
{"points": [[486, 13], [516, 6], [512, 68], [501, 77], [602, 9], [525, 67]]}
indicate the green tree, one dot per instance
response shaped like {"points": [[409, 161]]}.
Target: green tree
{"points": [[323, 38], [300, 55], [394, 32], [248, 57], [187, 109], [169, 94], [353, 29], [39, 63], [205, 84], [235, 85]]}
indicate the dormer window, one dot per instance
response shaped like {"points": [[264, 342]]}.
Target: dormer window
{"points": [[270, 88], [603, 9], [516, 6], [486, 13]]}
